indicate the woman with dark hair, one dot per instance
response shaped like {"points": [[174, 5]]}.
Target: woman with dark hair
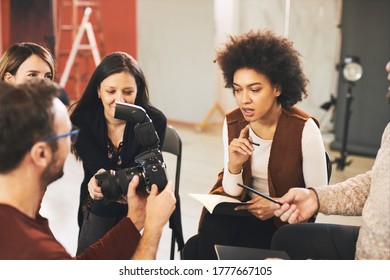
{"points": [[107, 143], [269, 143]]}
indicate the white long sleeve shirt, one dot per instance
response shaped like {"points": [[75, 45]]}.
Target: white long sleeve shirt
{"points": [[314, 161]]}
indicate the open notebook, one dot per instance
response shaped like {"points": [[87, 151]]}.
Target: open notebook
{"points": [[225, 252], [220, 204]]}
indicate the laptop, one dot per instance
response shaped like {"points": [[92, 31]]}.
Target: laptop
{"points": [[225, 252]]}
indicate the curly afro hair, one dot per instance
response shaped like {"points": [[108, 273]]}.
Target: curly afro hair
{"points": [[270, 55]]}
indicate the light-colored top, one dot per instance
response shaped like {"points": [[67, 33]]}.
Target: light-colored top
{"points": [[314, 161], [367, 195]]}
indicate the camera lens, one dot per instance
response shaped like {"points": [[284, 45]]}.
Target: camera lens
{"points": [[114, 184], [126, 175], [110, 187]]}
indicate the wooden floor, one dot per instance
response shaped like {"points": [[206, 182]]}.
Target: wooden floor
{"points": [[201, 162]]}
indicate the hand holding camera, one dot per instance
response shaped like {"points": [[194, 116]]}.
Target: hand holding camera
{"points": [[159, 207], [136, 211], [150, 166], [94, 190]]}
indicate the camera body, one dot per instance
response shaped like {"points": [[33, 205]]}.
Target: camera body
{"points": [[149, 165]]}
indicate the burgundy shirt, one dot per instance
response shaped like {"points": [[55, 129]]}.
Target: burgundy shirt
{"points": [[24, 238]]}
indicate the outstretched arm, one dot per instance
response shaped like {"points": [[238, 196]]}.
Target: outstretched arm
{"points": [[299, 204], [159, 208]]}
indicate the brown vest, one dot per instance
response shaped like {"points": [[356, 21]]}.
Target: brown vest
{"points": [[285, 161]]}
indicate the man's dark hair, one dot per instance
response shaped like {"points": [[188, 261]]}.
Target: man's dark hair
{"points": [[270, 55], [26, 116]]}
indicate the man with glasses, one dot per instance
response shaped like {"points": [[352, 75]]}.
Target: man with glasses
{"points": [[35, 139]]}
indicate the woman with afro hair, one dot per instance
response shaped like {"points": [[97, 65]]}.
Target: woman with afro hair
{"points": [[269, 144]]}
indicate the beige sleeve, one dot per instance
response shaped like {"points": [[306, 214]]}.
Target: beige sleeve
{"points": [[345, 198]]}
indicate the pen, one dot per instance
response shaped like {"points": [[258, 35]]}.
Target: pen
{"points": [[259, 193], [253, 143]]}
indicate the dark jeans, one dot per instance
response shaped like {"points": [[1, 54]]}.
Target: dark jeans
{"points": [[92, 229], [234, 231], [317, 241]]}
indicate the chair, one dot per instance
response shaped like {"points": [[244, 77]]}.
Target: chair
{"points": [[172, 144]]}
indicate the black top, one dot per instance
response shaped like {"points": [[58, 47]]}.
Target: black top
{"points": [[92, 147]]}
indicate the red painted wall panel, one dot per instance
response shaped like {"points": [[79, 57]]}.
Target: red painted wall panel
{"points": [[4, 24], [118, 22], [120, 25]]}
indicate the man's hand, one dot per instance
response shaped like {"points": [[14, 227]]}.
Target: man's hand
{"points": [[136, 203], [159, 207], [299, 204]]}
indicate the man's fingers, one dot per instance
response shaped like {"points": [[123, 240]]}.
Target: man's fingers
{"points": [[281, 210], [293, 219], [133, 184], [288, 197], [287, 214], [154, 190]]}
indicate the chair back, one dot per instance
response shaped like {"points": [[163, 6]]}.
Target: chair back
{"points": [[173, 145]]}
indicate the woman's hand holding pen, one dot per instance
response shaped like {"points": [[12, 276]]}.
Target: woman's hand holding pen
{"points": [[260, 208], [240, 149]]}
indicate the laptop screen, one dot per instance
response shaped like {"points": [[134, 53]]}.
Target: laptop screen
{"points": [[225, 252]]}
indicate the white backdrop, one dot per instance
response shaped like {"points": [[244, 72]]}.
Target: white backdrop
{"points": [[177, 40]]}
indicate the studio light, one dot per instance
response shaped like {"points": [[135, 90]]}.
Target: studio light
{"points": [[352, 69], [352, 72]]}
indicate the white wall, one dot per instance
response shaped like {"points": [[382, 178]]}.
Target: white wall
{"points": [[314, 30], [176, 52], [177, 40]]}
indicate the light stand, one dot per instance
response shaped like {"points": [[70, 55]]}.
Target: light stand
{"points": [[352, 72]]}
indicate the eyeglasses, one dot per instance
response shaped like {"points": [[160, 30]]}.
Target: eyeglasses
{"points": [[73, 135]]}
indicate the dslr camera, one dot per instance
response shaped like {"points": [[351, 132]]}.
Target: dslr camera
{"points": [[150, 166]]}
